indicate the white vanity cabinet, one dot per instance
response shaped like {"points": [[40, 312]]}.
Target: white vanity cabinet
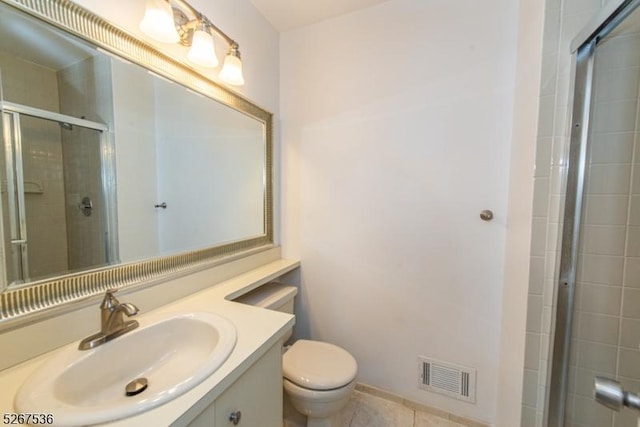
{"points": [[256, 396]]}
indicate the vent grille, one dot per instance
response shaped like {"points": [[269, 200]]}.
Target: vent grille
{"points": [[446, 378]]}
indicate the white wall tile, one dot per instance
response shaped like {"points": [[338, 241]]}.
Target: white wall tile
{"points": [[536, 275], [629, 363], [609, 179], [633, 241], [601, 269], [634, 210], [530, 388], [604, 240], [528, 416], [614, 84], [631, 303], [598, 328], [597, 357], [540, 197], [532, 353], [614, 116], [630, 333], [611, 147], [606, 209], [632, 272], [534, 313], [599, 299], [590, 413]]}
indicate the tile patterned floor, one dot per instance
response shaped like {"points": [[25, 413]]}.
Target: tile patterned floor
{"points": [[365, 410]]}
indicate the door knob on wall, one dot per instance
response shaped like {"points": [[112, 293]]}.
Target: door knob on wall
{"points": [[486, 215]]}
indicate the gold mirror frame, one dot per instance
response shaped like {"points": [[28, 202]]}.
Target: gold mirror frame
{"points": [[40, 299]]}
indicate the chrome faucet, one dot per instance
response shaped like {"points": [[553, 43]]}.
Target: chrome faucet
{"points": [[112, 322]]}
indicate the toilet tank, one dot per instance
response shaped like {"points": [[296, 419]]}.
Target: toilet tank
{"points": [[272, 296]]}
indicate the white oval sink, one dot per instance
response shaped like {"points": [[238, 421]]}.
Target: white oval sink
{"points": [[174, 352]]}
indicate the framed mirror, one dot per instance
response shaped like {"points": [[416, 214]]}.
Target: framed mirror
{"points": [[118, 165]]}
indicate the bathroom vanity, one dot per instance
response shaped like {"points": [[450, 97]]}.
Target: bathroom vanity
{"points": [[254, 399], [248, 385]]}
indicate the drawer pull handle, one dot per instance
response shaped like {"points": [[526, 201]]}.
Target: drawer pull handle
{"points": [[235, 417]]}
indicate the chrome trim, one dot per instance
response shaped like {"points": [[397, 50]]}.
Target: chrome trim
{"points": [[21, 208], [41, 299], [571, 234], [109, 195], [3, 252], [53, 116], [609, 16], [11, 125]]}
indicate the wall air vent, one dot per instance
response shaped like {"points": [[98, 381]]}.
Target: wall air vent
{"points": [[448, 379]]}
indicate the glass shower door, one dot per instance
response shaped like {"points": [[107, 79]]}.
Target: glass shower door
{"points": [[604, 335], [53, 194]]}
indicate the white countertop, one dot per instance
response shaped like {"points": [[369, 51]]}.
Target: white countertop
{"points": [[257, 331]]}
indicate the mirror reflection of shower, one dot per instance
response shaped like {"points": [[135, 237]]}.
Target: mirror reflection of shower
{"points": [[54, 193]]}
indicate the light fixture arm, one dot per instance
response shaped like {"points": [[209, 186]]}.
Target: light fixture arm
{"points": [[199, 17]]}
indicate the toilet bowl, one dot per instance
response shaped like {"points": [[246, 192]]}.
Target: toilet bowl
{"points": [[318, 377], [322, 408]]}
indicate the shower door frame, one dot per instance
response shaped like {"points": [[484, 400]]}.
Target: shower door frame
{"points": [[13, 153], [583, 48]]}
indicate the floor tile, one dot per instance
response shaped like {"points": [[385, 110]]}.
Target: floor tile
{"points": [[364, 410], [424, 419]]}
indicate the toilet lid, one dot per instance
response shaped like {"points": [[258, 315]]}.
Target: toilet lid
{"points": [[318, 365]]}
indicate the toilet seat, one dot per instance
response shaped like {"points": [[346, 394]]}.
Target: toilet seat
{"points": [[318, 365]]}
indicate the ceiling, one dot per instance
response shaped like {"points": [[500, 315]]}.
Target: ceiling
{"points": [[287, 15]]}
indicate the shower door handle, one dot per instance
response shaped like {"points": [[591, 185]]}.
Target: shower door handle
{"points": [[609, 393]]}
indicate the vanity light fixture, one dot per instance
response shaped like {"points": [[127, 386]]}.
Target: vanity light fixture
{"points": [[170, 23], [157, 22], [202, 50], [232, 68]]}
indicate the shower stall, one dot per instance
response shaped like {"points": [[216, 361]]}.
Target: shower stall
{"points": [[53, 197], [596, 341]]}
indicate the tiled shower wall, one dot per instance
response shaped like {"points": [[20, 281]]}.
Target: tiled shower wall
{"points": [[85, 91], [606, 326], [563, 20], [29, 84]]}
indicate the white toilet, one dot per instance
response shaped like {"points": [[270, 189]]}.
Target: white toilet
{"points": [[318, 377]]}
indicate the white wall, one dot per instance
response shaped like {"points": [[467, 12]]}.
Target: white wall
{"points": [[135, 140], [396, 129], [518, 243], [212, 161]]}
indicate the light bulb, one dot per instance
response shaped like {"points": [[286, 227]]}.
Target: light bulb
{"points": [[158, 22], [202, 51], [231, 72]]}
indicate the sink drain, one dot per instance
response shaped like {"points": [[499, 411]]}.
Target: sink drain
{"points": [[136, 386]]}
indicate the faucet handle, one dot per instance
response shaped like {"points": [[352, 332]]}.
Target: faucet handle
{"points": [[109, 301]]}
